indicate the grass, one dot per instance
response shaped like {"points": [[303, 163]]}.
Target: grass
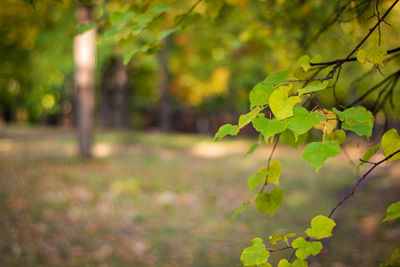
{"points": [[165, 200]]}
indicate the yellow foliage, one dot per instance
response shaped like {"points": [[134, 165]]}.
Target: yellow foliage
{"points": [[189, 89], [329, 124], [239, 3]]}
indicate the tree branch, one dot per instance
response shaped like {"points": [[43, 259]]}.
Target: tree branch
{"points": [[397, 73], [279, 249], [188, 13], [362, 178], [269, 161], [343, 60], [373, 29]]}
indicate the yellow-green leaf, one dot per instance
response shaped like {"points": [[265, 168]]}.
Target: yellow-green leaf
{"points": [[247, 118], [227, 129], [261, 92], [257, 178], [239, 210], [393, 211], [305, 248], [256, 254], [296, 263], [281, 104], [391, 143], [338, 136], [374, 55], [356, 119], [321, 227], [268, 127], [275, 170], [304, 62], [370, 152], [316, 153], [269, 202], [329, 123], [313, 87]]}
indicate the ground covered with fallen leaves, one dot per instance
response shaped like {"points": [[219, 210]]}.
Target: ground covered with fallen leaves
{"points": [[150, 199]]}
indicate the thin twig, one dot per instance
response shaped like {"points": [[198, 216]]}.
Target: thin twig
{"points": [[269, 162], [189, 12], [372, 29], [279, 249], [362, 178], [381, 83], [343, 60]]}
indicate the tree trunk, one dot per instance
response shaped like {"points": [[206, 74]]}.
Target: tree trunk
{"points": [[164, 88], [114, 95], [84, 53]]}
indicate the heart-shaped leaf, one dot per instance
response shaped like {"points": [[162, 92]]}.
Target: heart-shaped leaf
{"points": [[391, 143], [269, 202]]}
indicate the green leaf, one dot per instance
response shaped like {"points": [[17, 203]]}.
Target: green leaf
{"points": [[391, 143], [256, 254], [329, 123], [284, 263], [356, 119], [159, 8], [247, 118], [118, 17], [374, 55], [255, 145], [275, 170], [261, 92], [321, 227], [369, 153], [186, 20], [393, 211], [296, 263], [282, 105], [288, 138], [313, 87], [302, 121], [316, 153], [278, 237], [269, 202], [239, 210], [304, 62], [130, 51], [224, 130], [268, 127], [275, 238], [305, 249], [213, 8], [394, 260], [166, 33], [85, 27], [338, 136], [257, 178]]}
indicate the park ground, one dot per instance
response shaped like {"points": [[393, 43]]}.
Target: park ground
{"points": [[150, 199]]}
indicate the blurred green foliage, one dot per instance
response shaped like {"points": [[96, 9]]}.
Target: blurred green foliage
{"points": [[218, 50]]}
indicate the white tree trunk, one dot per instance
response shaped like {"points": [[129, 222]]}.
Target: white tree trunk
{"points": [[84, 53]]}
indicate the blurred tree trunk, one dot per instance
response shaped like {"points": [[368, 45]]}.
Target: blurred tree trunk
{"points": [[84, 53], [114, 95], [165, 108]]}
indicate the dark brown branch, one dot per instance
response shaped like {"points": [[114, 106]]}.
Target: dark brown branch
{"points": [[343, 60], [279, 249], [372, 29], [397, 73], [359, 181]]}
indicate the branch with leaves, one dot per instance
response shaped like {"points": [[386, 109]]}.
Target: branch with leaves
{"points": [[291, 124]]}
